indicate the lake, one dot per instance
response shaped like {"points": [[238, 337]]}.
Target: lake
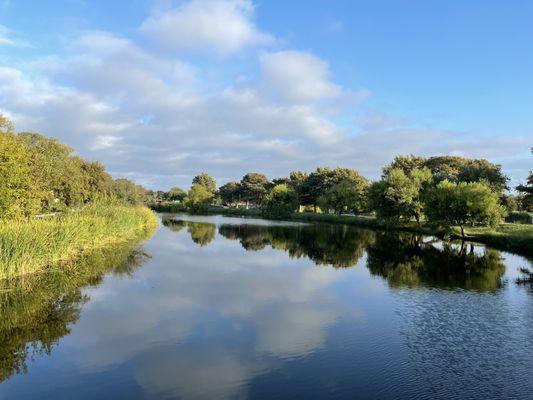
{"points": [[232, 308]]}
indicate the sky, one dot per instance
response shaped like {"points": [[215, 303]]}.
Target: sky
{"points": [[161, 90]]}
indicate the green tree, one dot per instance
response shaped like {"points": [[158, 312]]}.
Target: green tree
{"points": [[176, 194], [400, 194], [405, 163], [230, 193], [451, 203], [129, 191], [18, 194], [198, 198], [526, 192], [280, 202], [345, 196], [254, 187], [206, 181]]}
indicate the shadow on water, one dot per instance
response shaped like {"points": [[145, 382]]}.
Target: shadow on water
{"points": [[38, 310], [403, 259]]}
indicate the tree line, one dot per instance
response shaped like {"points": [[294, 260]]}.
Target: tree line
{"points": [[445, 190], [41, 175]]}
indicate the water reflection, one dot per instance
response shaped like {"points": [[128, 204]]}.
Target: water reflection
{"points": [[411, 260], [243, 311], [201, 233], [403, 259], [36, 311]]}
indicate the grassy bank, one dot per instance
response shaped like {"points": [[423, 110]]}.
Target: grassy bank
{"points": [[35, 245], [512, 237]]}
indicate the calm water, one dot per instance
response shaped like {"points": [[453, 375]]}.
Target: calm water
{"points": [[228, 308]]}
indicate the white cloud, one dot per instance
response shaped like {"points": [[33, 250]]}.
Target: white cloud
{"points": [[5, 39], [297, 76], [223, 26], [159, 119]]}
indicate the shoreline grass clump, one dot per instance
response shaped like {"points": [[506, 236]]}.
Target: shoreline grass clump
{"points": [[34, 245]]}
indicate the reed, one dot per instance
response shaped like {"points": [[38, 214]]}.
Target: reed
{"points": [[34, 245]]}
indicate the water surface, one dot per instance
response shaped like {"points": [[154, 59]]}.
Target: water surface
{"points": [[231, 308]]}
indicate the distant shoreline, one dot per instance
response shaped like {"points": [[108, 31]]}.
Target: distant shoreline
{"points": [[516, 238]]}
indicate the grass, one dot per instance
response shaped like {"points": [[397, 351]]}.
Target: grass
{"points": [[35, 245]]}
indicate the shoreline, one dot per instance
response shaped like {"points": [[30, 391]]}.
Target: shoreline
{"points": [[42, 245], [512, 237]]}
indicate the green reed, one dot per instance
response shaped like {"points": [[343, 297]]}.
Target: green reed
{"points": [[34, 245]]}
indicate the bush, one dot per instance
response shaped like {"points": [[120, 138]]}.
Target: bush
{"points": [[519, 217]]}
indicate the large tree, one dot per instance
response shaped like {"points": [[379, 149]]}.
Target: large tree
{"points": [[198, 198], [345, 196], [254, 187], [280, 202], [320, 181], [400, 194], [206, 181], [458, 204], [176, 194], [230, 193], [526, 192], [453, 168]]}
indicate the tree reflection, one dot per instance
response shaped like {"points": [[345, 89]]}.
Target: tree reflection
{"points": [[403, 259], [337, 245], [410, 260], [201, 233], [38, 310]]}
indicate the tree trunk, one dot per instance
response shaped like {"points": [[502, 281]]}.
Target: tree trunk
{"points": [[462, 231]]}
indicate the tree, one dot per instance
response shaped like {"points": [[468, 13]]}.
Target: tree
{"points": [[18, 194], [254, 187], [198, 198], [344, 196], [526, 192], [459, 169], [230, 193], [400, 194], [129, 191], [206, 181], [176, 194], [405, 163], [280, 202], [451, 203], [319, 182]]}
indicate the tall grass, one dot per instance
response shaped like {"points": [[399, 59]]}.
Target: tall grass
{"points": [[31, 246]]}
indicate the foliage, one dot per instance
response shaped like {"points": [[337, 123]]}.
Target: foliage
{"points": [[280, 202], [345, 196], [400, 194], [253, 187], [176, 194], [41, 175], [453, 168], [198, 198], [520, 217], [230, 193], [526, 192], [18, 194], [206, 181], [462, 203], [129, 192]]}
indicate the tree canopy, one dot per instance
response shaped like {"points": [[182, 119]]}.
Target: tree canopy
{"points": [[451, 203]]}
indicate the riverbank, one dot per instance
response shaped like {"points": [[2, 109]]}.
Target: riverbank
{"points": [[513, 237], [35, 245]]}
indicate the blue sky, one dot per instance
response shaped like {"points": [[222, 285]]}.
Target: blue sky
{"points": [[160, 90]]}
